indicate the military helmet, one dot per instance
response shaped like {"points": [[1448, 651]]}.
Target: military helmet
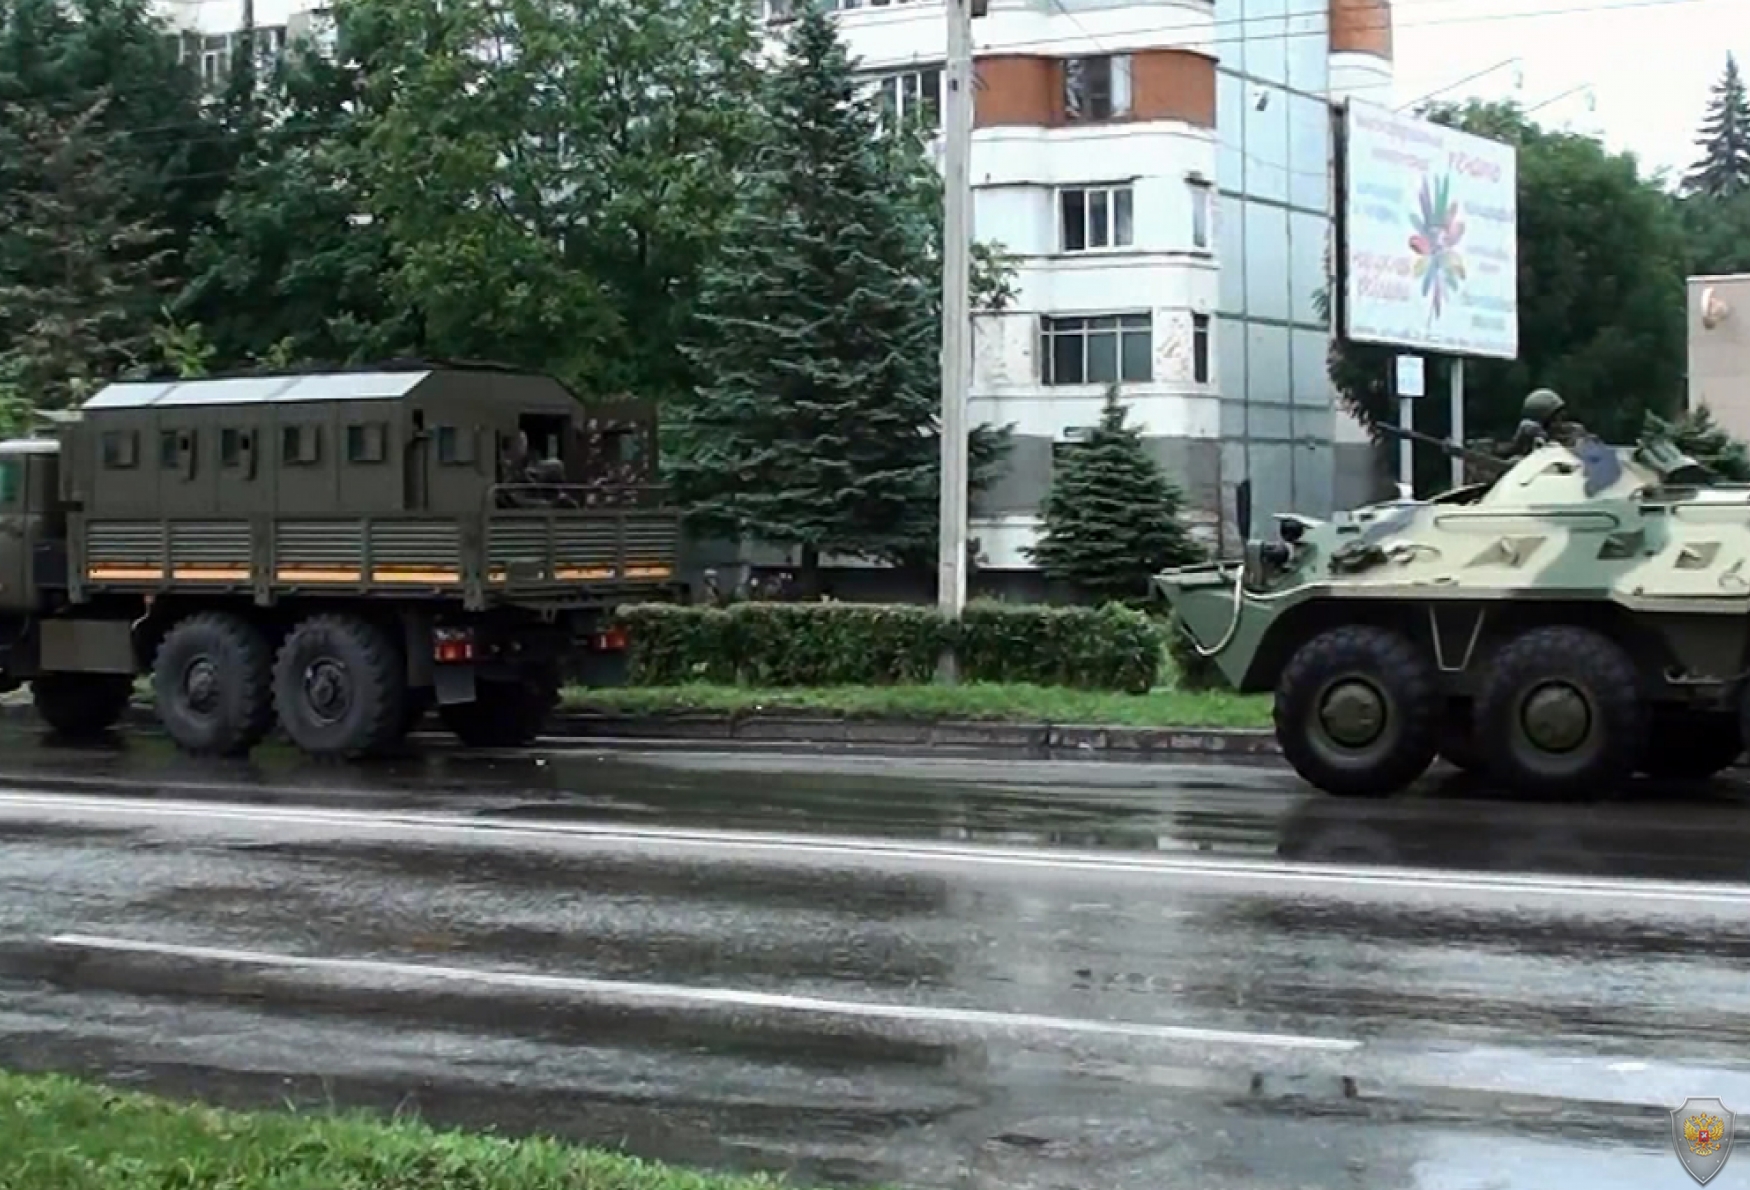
{"points": [[1542, 405]]}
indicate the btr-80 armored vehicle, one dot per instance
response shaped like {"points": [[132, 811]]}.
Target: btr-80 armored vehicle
{"points": [[1583, 616]]}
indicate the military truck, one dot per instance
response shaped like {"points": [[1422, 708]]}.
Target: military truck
{"points": [[332, 552], [1582, 616]]}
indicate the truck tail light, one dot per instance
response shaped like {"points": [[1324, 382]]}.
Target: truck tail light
{"points": [[610, 641], [452, 646]]}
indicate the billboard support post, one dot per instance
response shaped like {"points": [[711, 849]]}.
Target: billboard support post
{"points": [[1457, 418]]}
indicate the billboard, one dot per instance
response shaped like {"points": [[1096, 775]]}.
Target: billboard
{"points": [[1431, 253]]}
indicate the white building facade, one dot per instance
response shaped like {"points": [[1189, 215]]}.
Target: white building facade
{"points": [[1160, 172]]}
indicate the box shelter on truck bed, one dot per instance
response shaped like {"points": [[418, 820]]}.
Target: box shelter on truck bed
{"points": [[385, 482], [333, 551]]}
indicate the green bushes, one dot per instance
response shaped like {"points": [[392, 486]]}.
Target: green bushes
{"points": [[861, 644]]}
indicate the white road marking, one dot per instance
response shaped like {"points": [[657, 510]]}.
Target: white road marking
{"points": [[682, 996], [749, 844]]}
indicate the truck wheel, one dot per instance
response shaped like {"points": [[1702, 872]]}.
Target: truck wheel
{"points": [[1358, 712], [212, 682], [503, 714], [1562, 713], [1691, 747], [80, 706], [340, 687]]}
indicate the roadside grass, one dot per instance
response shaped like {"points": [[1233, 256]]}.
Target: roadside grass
{"points": [[61, 1134], [1162, 707]]}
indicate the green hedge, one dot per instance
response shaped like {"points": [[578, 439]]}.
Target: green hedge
{"points": [[883, 644]]}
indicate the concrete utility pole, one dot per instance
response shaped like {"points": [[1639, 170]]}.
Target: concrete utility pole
{"points": [[956, 310]]}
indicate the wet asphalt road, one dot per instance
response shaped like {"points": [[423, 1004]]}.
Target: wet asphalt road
{"points": [[915, 972]]}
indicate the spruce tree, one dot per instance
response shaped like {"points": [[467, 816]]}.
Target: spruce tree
{"points": [[1112, 517], [818, 335], [1724, 168], [1703, 439]]}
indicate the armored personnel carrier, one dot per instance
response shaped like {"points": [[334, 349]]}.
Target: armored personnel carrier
{"points": [[1581, 616]]}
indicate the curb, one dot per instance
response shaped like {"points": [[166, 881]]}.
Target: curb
{"points": [[789, 731]]}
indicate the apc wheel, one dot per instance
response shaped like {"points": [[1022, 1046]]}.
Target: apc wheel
{"points": [[211, 683], [1691, 747], [340, 687], [503, 714], [1358, 713], [1562, 711], [80, 706]]}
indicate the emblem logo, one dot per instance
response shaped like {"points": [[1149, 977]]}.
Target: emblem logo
{"points": [[1702, 1131]]}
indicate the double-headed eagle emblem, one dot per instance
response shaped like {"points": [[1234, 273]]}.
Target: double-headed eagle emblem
{"points": [[1703, 1133]]}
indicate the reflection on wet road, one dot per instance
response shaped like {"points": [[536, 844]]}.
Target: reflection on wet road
{"points": [[930, 973]]}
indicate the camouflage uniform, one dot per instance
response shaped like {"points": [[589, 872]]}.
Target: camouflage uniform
{"points": [[1543, 419]]}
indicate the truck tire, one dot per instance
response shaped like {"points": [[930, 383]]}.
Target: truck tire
{"points": [[81, 706], [503, 714], [340, 687], [1358, 712], [212, 682], [1562, 713], [1691, 747]]}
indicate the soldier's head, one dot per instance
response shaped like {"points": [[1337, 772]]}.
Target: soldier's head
{"points": [[1544, 407]]}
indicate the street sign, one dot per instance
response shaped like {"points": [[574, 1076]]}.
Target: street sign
{"points": [[1412, 376]]}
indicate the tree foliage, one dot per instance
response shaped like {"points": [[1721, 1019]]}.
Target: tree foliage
{"points": [[816, 422], [1723, 170], [1601, 308], [1112, 516]]}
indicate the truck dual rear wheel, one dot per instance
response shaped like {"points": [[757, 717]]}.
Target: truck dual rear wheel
{"points": [[80, 706], [504, 714], [340, 687], [1358, 712], [210, 683], [1561, 713]]}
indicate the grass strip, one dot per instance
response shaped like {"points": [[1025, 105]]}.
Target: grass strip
{"points": [[61, 1134], [975, 701]]}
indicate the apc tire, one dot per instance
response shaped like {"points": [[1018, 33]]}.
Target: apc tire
{"points": [[1691, 747], [340, 687], [81, 706], [503, 714], [1358, 712], [212, 684], [1563, 714]]}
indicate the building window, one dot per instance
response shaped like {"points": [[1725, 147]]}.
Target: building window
{"points": [[1201, 198], [1091, 217], [1200, 348], [11, 481], [1096, 88], [911, 97], [1098, 350]]}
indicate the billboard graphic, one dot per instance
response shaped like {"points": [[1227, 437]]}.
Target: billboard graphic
{"points": [[1431, 228]]}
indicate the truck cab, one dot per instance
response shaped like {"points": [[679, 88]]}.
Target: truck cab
{"points": [[33, 528]]}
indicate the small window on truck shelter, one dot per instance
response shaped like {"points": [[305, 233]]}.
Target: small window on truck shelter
{"points": [[455, 447], [300, 446], [367, 443], [11, 482], [121, 450]]}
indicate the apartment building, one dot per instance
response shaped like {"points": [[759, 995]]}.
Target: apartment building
{"points": [[1160, 170]]}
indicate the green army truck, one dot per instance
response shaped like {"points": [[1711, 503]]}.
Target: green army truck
{"points": [[335, 553]]}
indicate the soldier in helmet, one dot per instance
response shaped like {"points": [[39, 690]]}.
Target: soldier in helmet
{"points": [[1544, 419]]}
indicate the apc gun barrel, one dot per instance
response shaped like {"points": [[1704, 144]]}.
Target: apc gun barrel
{"points": [[1447, 447]]}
